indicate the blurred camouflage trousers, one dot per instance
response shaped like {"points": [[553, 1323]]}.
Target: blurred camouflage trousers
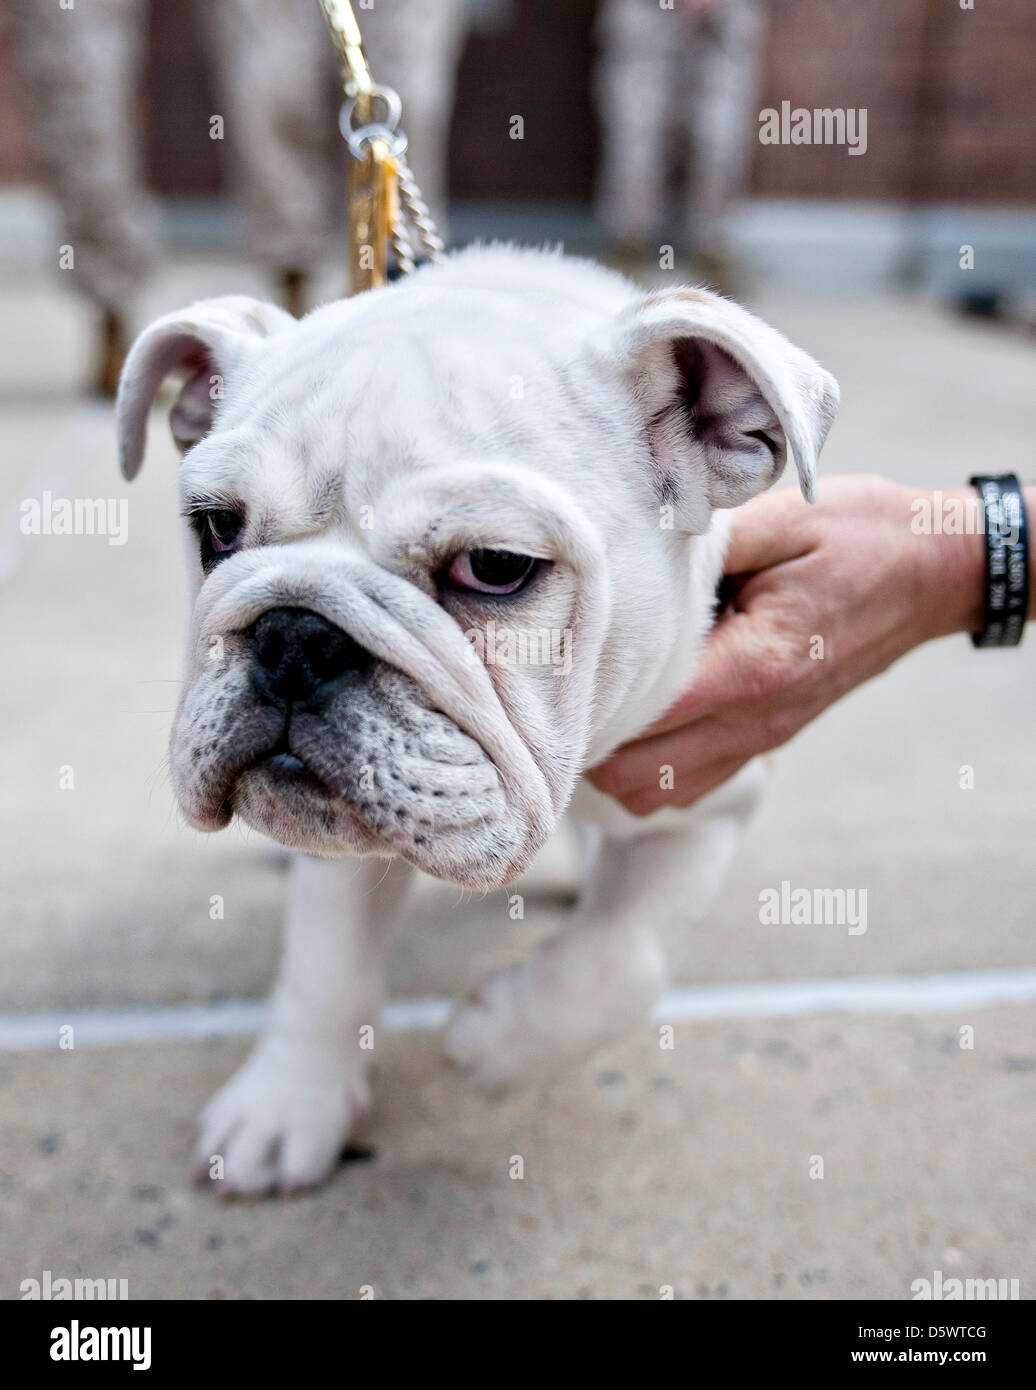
{"points": [[83, 66], [276, 74], [275, 77], [687, 75]]}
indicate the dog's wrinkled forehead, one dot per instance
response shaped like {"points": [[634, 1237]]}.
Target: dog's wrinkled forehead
{"points": [[676, 399], [364, 393]]}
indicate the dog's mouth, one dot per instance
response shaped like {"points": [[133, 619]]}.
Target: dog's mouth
{"points": [[322, 788], [293, 771], [378, 768], [284, 761], [279, 794], [254, 771], [291, 765]]}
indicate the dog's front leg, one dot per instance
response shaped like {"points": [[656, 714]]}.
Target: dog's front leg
{"points": [[280, 1122], [598, 977]]}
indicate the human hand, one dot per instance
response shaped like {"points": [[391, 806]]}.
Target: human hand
{"points": [[825, 597]]}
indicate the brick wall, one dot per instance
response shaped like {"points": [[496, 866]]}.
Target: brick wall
{"points": [[949, 95]]}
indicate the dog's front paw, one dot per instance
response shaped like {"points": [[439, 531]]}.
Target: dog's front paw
{"points": [[536, 1021], [499, 1042], [280, 1122]]}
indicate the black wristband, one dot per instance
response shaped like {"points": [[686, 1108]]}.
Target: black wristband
{"points": [[1007, 561]]}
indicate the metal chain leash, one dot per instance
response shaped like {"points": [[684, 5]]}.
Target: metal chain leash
{"points": [[421, 218], [385, 202]]}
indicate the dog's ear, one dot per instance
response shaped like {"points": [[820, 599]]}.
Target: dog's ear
{"points": [[207, 342], [724, 398]]}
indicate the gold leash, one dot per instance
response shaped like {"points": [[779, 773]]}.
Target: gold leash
{"points": [[385, 203]]}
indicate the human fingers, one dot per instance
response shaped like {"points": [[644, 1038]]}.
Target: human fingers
{"points": [[767, 531]]}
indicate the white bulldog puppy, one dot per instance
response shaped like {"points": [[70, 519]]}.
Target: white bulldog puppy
{"points": [[450, 543]]}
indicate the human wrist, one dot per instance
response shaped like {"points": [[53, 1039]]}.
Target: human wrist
{"points": [[953, 562]]}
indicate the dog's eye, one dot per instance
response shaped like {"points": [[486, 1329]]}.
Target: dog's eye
{"points": [[223, 529], [491, 571], [218, 530]]}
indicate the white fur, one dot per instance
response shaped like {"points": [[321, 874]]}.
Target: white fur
{"points": [[505, 398]]}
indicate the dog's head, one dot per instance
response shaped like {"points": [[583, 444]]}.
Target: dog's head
{"points": [[438, 536]]}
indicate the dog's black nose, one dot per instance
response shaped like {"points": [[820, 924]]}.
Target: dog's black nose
{"points": [[296, 652]]}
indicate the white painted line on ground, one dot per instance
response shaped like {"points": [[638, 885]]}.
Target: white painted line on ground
{"points": [[890, 994], [232, 1018], [34, 1032], [70, 455]]}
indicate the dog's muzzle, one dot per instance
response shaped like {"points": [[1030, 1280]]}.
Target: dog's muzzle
{"points": [[336, 708]]}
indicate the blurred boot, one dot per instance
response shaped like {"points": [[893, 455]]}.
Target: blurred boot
{"points": [[721, 273], [293, 285], [112, 345]]}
